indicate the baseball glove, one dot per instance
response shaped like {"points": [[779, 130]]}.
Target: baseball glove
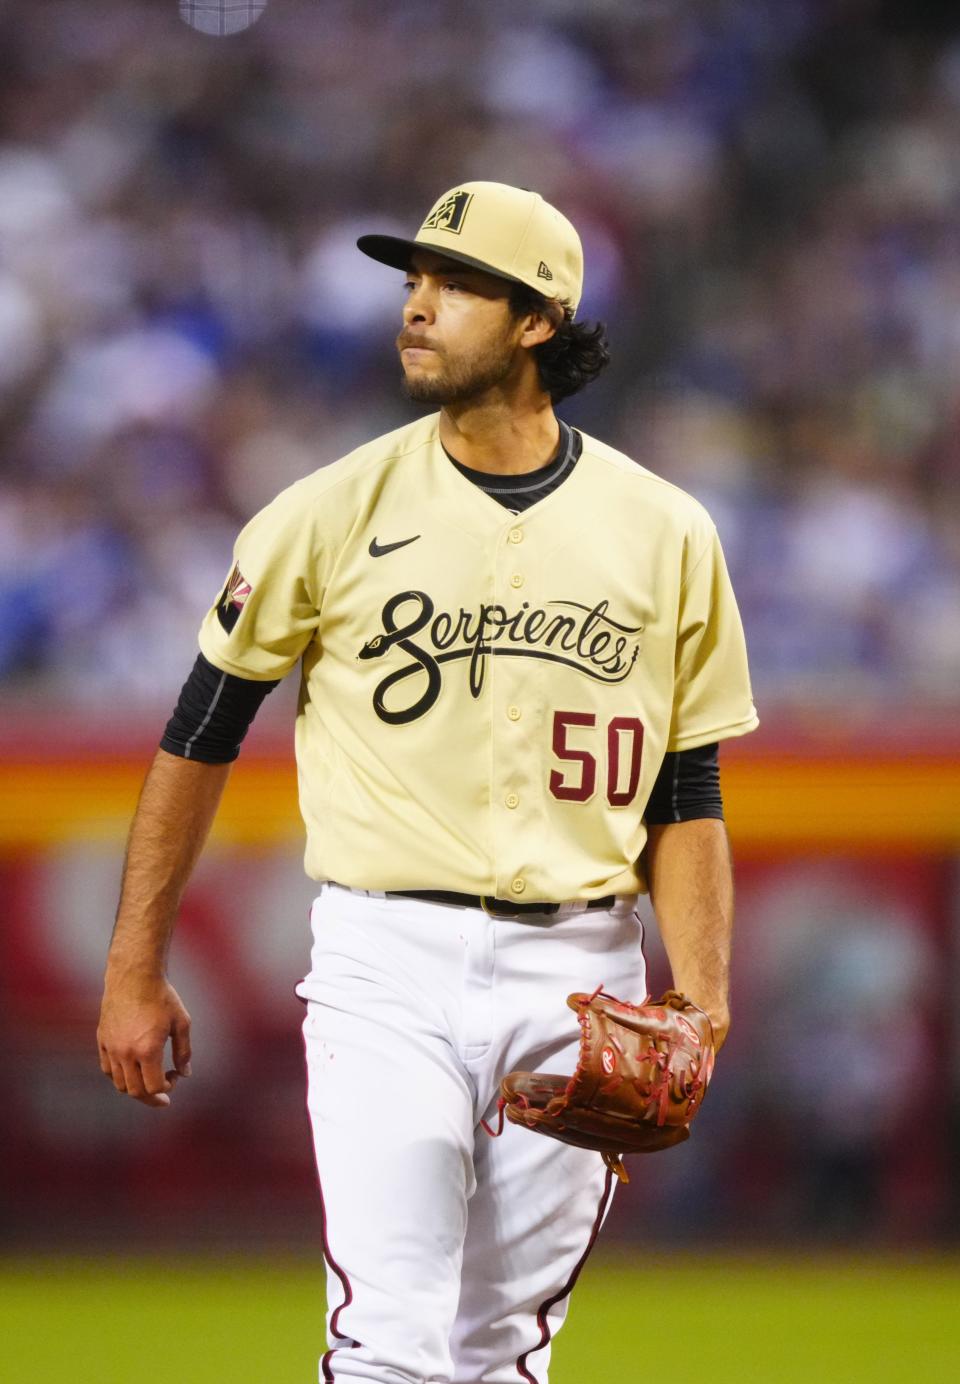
{"points": [[640, 1078]]}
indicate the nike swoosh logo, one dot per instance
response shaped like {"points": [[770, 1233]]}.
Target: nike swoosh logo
{"points": [[381, 549]]}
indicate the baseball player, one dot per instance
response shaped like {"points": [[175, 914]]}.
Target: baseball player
{"points": [[519, 651]]}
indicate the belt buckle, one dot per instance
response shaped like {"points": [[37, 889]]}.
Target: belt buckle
{"points": [[487, 899]]}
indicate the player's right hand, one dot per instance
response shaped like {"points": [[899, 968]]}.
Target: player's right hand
{"points": [[137, 1016]]}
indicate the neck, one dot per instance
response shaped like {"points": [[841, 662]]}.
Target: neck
{"points": [[505, 439]]}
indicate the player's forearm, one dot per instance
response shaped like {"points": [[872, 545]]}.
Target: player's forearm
{"points": [[691, 887], [173, 819]]}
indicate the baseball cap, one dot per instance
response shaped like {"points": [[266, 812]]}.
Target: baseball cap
{"points": [[508, 231]]}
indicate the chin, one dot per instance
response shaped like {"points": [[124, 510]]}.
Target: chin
{"points": [[424, 390]]}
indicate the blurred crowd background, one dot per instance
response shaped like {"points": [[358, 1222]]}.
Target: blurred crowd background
{"points": [[769, 197]]}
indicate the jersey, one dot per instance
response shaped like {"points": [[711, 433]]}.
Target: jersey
{"points": [[486, 698]]}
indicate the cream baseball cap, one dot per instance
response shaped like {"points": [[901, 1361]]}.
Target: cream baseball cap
{"points": [[505, 230]]}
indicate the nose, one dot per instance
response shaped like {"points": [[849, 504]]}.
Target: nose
{"points": [[420, 305]]}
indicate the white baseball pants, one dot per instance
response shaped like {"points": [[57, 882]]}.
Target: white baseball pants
{"points": [[450, 1255]]}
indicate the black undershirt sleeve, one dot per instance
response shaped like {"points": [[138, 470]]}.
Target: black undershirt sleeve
{"points": [[687, 787], [214, 713]]}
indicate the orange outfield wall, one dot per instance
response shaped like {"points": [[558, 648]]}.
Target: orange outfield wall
{"points": [[843, 839], [793, 786]]}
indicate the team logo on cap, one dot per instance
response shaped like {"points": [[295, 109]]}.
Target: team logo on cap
{"points": [[450, 214]]}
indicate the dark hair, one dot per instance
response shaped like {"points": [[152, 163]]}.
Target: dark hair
{"points": [[575, 354]]}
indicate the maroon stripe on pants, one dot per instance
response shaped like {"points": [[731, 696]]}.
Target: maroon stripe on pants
{"points": [[567, 1288], [345, 1283]]}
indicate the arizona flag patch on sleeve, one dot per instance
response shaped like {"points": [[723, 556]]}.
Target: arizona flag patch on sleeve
{"points": [[234, 598]]}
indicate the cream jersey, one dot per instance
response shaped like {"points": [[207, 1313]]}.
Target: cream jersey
{"points": [[486, 698]]}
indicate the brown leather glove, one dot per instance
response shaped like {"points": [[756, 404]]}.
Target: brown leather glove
{"points": [[641, 1075]]}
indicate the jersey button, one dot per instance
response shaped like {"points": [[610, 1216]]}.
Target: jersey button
{"points": [[514, 713], [516, 579], [515, 535], [512, 800], [518, 886]]}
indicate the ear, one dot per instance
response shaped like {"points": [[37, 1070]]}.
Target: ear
{"points": [[540, 325]]}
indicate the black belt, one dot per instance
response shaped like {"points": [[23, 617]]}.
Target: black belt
{"points": [[498, 908]]}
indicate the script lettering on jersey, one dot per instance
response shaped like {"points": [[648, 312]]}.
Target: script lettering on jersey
{"points": [[585, 638]]}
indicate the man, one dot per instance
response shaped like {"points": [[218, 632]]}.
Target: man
{"points": [[519, 651]]}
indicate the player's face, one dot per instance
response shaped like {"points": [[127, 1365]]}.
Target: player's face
{"points": [[459, 339]]}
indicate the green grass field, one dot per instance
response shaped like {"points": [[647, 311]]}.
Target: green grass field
{"points": [[682, 1321]]}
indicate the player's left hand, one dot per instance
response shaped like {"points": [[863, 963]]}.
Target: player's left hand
{"points": [[641, 1076], [720, 1022]]}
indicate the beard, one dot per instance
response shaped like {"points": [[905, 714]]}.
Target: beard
{"points": [[459, 381]]}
